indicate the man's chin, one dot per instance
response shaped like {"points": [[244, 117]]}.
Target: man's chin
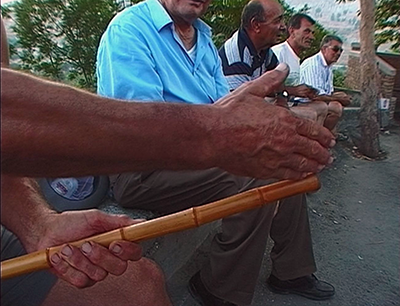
{"points": [[197, 3]]}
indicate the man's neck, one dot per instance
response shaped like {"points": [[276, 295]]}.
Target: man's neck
{"points": [[259, 46], [295, 47], [179, 22], [326, 61]]}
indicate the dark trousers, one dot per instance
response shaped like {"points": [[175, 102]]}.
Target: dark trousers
{"points": [[237, 252]]}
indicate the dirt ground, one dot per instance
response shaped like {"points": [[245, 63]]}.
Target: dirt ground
{"points": [[355, 229]]}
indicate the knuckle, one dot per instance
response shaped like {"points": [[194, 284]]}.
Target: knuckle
{"points": [[303, 163]]}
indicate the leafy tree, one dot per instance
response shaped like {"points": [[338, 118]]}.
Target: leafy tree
{"points": [[387, 23], [339, 76], [59, 38]]}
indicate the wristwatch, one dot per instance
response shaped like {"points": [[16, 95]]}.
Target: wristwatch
{"points": [[282, 98], [283, 94]]}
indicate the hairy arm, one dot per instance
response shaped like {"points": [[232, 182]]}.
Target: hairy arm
{"points": [[25, 213], [53, 130], [23, 210]]}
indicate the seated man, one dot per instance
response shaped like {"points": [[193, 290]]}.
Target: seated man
{"points": [[245, 57], [316, 71], [301, 35], [160, 50], [102, 135]]}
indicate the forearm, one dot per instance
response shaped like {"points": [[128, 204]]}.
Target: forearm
{"points": [[23, 210], [50, 129], [324, 98], [345, 101], [291, 90]]}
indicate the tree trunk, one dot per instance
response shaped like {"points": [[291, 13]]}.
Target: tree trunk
{"points": [[369, 145]]}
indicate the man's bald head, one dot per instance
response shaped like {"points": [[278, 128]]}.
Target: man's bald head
{"points": [[258, 10], [263, 22]]}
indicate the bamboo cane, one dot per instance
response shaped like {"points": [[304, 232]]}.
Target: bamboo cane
{"points": [[189, 218]]}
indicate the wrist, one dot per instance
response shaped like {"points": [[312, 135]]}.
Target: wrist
{"points": [[24, 211]]}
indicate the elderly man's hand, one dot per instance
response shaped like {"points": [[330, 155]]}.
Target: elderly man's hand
{"points": [[266, 141], [342, 97], [302, 91], [84, 266]]}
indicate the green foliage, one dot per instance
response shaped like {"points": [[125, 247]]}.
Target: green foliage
{"points": [[5, 11], [339, 77], [224, 18], [387, 23], [59, 38]]}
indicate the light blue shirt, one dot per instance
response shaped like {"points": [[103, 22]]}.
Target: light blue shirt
{"points": [[314, 71], [141, 57]]}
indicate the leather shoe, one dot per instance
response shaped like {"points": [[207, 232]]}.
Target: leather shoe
{"points": [[307, 286], [202, 295]]}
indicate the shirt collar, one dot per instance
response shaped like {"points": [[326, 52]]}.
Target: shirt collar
{"points": [[322, 59], [246, 39], [291, 50], [161, 18]]}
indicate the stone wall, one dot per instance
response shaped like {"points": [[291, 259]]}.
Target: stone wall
{"points": [[387, 75]]}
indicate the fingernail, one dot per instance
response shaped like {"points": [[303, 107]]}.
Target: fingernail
{"points": [[67, 251], [332, 144], [116, 249], [320, 168], [86, 248], [330, 161], [282, 67], [55, 259]]}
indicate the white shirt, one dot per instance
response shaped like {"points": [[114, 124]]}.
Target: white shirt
{"points": [[192, 52], [314, 71], [285, 54]]}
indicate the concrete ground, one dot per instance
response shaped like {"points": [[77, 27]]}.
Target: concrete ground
{"points": [[355, 230]]}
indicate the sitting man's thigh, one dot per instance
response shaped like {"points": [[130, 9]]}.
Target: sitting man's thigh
{"points": [[29, 289], [171, 191], [320, 107]]}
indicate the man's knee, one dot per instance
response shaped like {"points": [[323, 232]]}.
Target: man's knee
{"points": [[335, 108], [152, 271], [305, 112], [321, 108]]}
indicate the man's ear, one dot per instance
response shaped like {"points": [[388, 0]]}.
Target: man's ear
{"points": [[255, 25], [290, 30]]}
